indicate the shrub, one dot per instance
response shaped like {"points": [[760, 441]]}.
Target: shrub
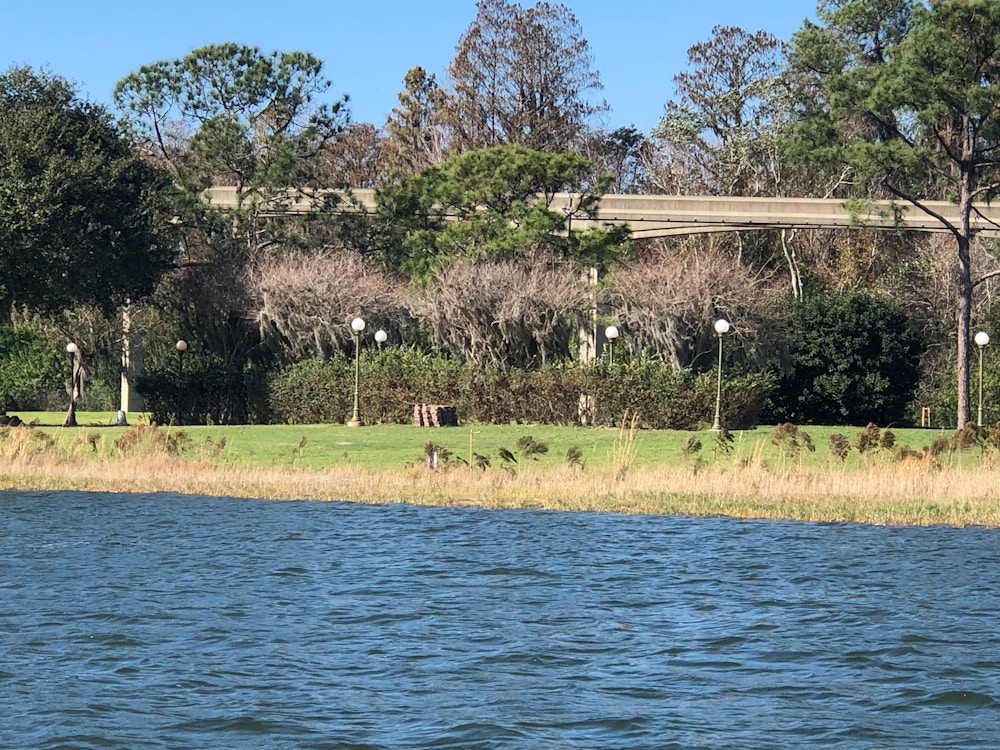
{"points": [[311, 391], [204, 391], [497, 396], [29, 370], [666, 398], [854, 360]]}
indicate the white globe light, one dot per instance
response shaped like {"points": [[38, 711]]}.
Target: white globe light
{"points": [[182, 345], [982, 338], [357, 325], [611, 333], [722, 326], [381, 336], [72, 348]]}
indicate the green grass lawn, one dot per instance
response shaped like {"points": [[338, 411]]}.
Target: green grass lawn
{"points": [[380, 447]]}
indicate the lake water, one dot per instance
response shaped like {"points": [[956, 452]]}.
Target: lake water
{"points": [[165, 621]]}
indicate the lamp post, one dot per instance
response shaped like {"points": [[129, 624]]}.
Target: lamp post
{"points": [[611, 333], [982, 339], [357, 326], [380, 338], [181, 346], [74, 385], [721, 328]]}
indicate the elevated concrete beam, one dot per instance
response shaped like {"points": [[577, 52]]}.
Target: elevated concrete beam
{"points": [[666, 215], [652, 216]]}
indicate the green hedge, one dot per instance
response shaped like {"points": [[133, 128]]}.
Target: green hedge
{"points": [[394, 380]]}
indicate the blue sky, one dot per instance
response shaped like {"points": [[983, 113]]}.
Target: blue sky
{"points": [[368, 45]]}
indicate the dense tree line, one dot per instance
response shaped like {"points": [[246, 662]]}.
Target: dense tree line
{"points": [[468, 253]]}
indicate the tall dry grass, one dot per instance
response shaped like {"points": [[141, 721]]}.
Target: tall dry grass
{"points": [[908, 492]]}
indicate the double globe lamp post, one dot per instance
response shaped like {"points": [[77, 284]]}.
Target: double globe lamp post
{"points": [[357, 328]]}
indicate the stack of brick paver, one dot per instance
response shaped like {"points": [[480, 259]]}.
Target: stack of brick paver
{"points": [[434, 415]]}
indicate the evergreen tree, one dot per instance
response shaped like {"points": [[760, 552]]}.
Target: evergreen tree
{"points": [[908, 97], [83, 218]]}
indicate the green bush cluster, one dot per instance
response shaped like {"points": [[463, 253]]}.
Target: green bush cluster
{"points": [[203, 391], [854, 359], [851, 359], [393, 381], [28, 368]]}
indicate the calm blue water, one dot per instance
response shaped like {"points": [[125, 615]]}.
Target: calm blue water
{"points": [[162, 621]]}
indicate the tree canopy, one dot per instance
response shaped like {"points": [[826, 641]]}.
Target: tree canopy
{"points": [[231, 115], [724, 121], [83, 218], [908, 97], [416, 128], [524, 76], [495, 204], [854, 360]]}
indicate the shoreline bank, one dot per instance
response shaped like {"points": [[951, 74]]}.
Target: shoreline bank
{"points": [[892, 494]]}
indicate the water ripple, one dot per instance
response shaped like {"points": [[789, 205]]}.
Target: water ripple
{"points": [[170, 621]]}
